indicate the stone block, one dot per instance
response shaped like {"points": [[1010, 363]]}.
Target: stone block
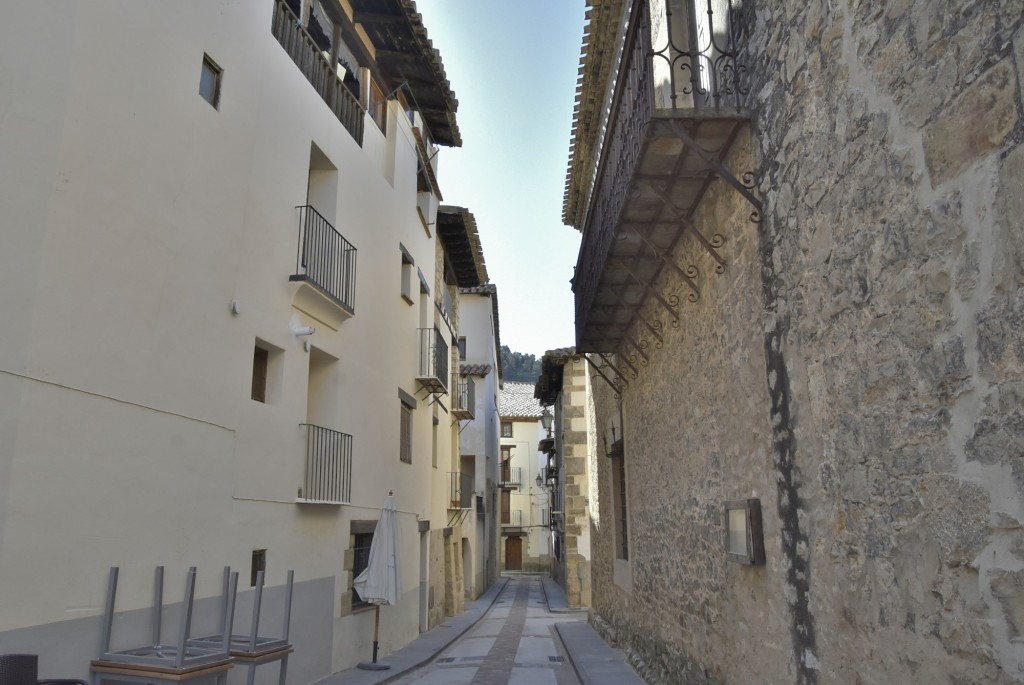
{"points": [[1008, 589], [974, 125], [345, 604], [348, 560]]}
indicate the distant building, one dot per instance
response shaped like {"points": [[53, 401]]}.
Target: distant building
{"points": [[479, 348], [571, 471], [524, 504], [800, 287]]}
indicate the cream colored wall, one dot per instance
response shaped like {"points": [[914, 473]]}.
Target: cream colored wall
{"points": [[135, 213], [479, 437], [526, 435]]}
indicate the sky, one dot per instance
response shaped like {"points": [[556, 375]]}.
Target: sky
{"points": [[513, 68]]}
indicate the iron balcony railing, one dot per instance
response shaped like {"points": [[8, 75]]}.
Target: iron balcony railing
{"points": [[317, 68], [512, 476], [325, 259], [433, 370], [515, 519], [464, 397], [693, 67], [460, 490], [328, 472]]}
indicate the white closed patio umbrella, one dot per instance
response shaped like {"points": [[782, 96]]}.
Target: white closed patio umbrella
{"points": [[378, 583]]}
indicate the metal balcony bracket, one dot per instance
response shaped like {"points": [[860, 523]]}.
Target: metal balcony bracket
{"points": [[618, 372], [689, 274], [713, 159], [636, 354], [614, 386], [670, 303]]}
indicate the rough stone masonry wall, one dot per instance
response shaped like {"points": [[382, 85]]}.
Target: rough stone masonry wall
{"points": [[892, 249], [696, 433], [859, 367]]}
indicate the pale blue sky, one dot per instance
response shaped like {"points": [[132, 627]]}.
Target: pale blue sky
{"points": [[513, 68]]}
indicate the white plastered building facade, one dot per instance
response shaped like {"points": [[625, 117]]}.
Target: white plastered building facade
{"points": [[210, 293]]}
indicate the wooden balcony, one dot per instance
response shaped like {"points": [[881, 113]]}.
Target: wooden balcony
{"points": [[676, 112], [317, 69]]}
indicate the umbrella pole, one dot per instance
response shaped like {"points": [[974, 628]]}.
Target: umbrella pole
{"points": [[373, 665], [376, 627]]}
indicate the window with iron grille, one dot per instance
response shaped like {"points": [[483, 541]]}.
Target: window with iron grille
{"points": [[361, 558], [506, 429]]}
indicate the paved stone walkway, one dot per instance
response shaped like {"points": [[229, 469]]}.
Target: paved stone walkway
{"points": [[515, 643]]}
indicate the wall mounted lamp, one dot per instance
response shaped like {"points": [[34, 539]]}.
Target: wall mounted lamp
{"points": [[546, 418]]}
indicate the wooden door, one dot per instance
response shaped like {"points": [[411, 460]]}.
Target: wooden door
{"points": [[506, 505], [514, 554]]}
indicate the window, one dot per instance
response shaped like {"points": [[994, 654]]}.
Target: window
{"points": [[209, 81], [619, 496], [744, 539], [377, 107], [408, 274], [506, 429], [267, 372], [360, 560], [462, 349], [259, 563], [405, 433], [260, 365]]}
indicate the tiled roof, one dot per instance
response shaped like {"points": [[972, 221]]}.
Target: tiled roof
{"points": [[517, 401], [475, 369]]}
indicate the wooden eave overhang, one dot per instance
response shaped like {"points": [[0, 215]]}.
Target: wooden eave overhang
{"points": [[456, 227], [407, 59], [552, 368]]}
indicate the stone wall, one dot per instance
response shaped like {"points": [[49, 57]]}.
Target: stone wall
{"points": [[436, 578], [858, 367], [576, 457]]}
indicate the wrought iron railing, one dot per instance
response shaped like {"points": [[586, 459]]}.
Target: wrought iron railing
{"points": [[433, 369], [512, 476], [325, 258], [698, 68], [460, 490], [696, 47], [328, 472], [319, 71], [464, 397], [515, 519]]}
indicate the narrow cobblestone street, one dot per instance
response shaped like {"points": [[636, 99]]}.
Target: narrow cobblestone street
{"points": [[514, 643]]}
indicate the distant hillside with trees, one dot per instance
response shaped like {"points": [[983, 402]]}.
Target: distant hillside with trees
{"points": [[516, 366]]}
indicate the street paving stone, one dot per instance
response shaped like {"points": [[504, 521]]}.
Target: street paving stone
{"points": [[520, 632]]}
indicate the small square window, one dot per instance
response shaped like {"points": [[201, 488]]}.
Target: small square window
{"points": [[209, 81]]}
